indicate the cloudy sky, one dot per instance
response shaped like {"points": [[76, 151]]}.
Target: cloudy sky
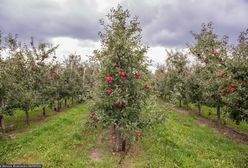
{"points": [[74, 24]]}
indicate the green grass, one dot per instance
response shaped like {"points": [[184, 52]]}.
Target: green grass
{"points": [[183, 143], [17, 121], [178, 142], [243, 126], [60, 142]]}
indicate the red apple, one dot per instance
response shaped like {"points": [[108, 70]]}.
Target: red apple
{"points": [[118, 104], [214, 52], [109, 79], [147, 86], [139, 134], [109, 91], [221, 74], [138, 75], [223, 93], [232, 89], [117, 65], [220, 59], [122, 73], [91, 116], [231, 85]]}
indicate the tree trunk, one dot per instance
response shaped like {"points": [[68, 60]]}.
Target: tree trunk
{"points": [[60, 105], [58, 108], [225, 119], [27, 117], [78, 99], [119, 143], [65, 105], [218, 113], [180, 103], [72, 100], [2, 125], [44, 111], [187, 104], [238, 118], [199, 107]]}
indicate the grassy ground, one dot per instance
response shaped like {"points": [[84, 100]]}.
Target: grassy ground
{"points": [[205, 111], [17, 121], [178, 142]]}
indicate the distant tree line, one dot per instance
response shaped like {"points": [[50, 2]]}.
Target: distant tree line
{"points": [[31, 76], [217, 77]]}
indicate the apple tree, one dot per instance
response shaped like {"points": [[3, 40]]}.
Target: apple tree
{"points": [[195, 86], [212, 53], [235, 87], [123, 87], [177, 71]]}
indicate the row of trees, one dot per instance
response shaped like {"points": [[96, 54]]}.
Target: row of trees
{"points": [[217, 76], [31, 76]]}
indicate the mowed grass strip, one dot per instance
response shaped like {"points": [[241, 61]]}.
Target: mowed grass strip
{"points": [[62, 141], [182, 142], [179, 141]]}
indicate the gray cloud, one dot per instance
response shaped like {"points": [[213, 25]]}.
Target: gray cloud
{"points": [[164, 23], [168, 23], [45, 19]]}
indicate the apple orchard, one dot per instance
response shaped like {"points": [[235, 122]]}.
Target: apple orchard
{"points": [[116, 81]]}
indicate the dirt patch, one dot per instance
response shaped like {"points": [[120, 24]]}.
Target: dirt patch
{"points": [[183, 111], [204, 122], [133, 152], [95, 155], [234, 134], [27, 160], [104, 144], [229, 132], [12, 136], [105, 139]]}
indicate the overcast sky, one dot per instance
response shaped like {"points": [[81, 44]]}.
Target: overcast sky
{"points": [[74, 24]]}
